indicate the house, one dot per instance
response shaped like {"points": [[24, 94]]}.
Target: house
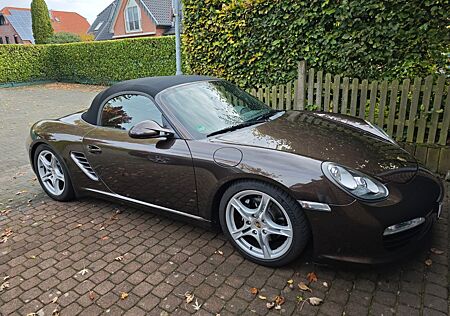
{"points": [[133, 18], [15, 24]]}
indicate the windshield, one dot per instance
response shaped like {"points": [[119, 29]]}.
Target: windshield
{"points": [[209, 106]]}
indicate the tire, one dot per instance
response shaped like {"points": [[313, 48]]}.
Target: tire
{"points": [[62, 187], [273, 235]]}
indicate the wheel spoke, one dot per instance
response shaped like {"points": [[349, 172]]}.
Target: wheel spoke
{"points": [[46, 164], [241, 232], [273, 228], [244, 211], [54, 182], [59, 175], [262, 207], [46, 176], [263, 242], [53, 162]]}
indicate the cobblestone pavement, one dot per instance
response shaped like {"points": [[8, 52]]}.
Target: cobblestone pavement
{"points": [[63, 255]]}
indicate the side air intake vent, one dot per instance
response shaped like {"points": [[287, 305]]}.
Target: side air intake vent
{"points": [[81, 161]]}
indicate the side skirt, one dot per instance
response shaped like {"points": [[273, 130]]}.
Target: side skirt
{"points": [[128, 199]]}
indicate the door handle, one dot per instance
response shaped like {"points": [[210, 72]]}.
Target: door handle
{"points": [[93, 149]]}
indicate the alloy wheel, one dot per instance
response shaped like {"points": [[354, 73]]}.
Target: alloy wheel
{"points": [[51, 172], [259, 225]]}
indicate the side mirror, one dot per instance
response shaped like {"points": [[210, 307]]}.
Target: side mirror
{"points": [[149, 129]]}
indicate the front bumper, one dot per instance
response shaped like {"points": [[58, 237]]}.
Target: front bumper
{"points": [[354, 232]]}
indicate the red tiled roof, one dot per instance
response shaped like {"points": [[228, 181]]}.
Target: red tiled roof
{"points": [[62, 21], [5, 10]]}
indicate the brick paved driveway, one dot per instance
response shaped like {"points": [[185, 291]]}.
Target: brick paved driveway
{"points": [[162, 259]]}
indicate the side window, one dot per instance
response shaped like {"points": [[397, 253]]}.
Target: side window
{"points": [[127, 110]]}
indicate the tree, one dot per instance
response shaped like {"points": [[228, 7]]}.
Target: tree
{"points": [[63, 37], [40, 17]]}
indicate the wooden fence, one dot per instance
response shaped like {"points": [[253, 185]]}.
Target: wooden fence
{"points": [[413, 111]]}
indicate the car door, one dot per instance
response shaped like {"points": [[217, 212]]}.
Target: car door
{"points": [[158, 171]]}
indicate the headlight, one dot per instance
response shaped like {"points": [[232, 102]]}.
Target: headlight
{"points": [[354, 182]]}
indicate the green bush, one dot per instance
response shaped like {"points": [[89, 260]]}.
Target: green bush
{"points": [[260, 41], [63, 38], [88, 62]]}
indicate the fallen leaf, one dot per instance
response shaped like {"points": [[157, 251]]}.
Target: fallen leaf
{"points": [[290, 281], [325, 284], [84, 271], [270, 305], [31, 314], [79, 225], [4, 236], [254, 291], [279, 300], [314, 301], [4, 286], [104, 238], [197, 306], [119, 258], [436, 251], [189, 297], [123, 295], [55, 299], [91, 295], [302, 286], [277, 307], [6, 278], [55, 312], [311, 277], [262, 297], [428, 262], [220, 252]]}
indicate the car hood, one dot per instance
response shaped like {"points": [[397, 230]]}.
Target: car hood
{"points": [[330, 137]]}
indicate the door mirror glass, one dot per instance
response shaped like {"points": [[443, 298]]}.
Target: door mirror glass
{"points": [[149, 129]]}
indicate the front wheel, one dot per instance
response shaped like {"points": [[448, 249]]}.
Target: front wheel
{"points": [[264, 223], [52, 174]]}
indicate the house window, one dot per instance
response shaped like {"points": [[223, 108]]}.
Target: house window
{"points": [[133, 16], [2, 20], [16, 39], [1, 40], [98, 26], [7, 39]]}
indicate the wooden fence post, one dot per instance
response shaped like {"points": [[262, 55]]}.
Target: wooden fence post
{"points": [[446, 122], [300, 93], [436, 108], [402, 109], [413, 111]]}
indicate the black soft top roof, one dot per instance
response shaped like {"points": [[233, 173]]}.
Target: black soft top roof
{"points": [[151, 86]]}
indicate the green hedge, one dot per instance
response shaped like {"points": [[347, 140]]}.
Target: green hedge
{"points": [[19, 63], [260, 41], [91, 62]]}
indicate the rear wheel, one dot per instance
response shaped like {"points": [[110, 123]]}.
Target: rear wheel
{"points": [[264, 223], [52, 174]]}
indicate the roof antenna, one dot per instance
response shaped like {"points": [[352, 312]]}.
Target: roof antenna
{"points": [[177, 14]]}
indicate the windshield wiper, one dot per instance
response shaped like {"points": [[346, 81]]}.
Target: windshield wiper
{"points": [[264, 116], [235, 127]]}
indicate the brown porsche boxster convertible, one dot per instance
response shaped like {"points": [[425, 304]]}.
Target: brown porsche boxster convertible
{"points": [[274, 180]]}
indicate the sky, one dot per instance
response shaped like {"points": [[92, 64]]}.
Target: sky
{"points": [[87, 8]]}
